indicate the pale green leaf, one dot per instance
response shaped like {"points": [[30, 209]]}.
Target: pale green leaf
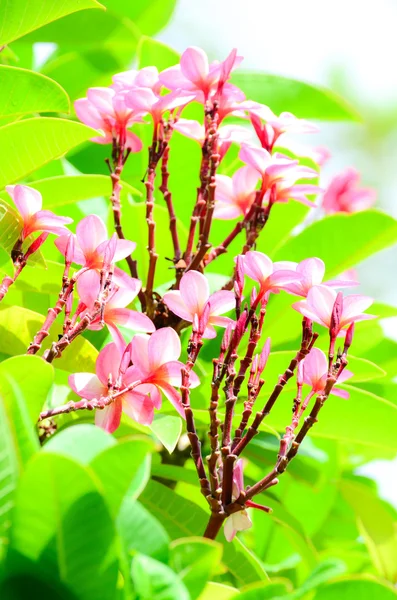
{"points": [[167, 429], [351, 588]]}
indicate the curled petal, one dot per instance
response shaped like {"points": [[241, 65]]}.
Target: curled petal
{"points": [[175, 302]]}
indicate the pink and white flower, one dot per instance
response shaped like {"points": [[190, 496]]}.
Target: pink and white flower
{"points": [[110, 378], [274, 127], [91, 241], [148, 77], [115, 313], [344, 194], [105, 109], [315, 371], [319, 305], [193, 301], [312, 271], [29, 204], [235, 195], [260, 268], [156, 365]]}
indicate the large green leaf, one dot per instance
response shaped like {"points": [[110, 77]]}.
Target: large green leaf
{"points": [[360, 588], [19, 408], [152, 579], [24, 92], [17, 17], [196, 560], [18, 327], [62, 528], [152, 53], [359, 234], [182, 518], [27, 145], [303, 99], [377, 525], [148, 15]]}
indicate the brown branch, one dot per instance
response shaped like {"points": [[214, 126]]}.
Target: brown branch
{"points": [[164, 189]]}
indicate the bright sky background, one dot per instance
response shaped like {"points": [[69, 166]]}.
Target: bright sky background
{"points": [[348, 45]]}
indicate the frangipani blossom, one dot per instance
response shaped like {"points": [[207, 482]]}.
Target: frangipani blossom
{"points": [[261, 269], [319, 305], [234, 195], [144, 101], [274, 167], [194, 73], [105, 109], [91, 240], [344, 195], [274, 127], [29, 202], [138, 405], [148, 77], [315, 371], [115, 314], [312, 272], [239, 521], [227, 134], [155, 363], [193, 299]]}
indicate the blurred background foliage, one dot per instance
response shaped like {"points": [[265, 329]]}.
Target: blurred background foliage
{"points": [[94, 516]]}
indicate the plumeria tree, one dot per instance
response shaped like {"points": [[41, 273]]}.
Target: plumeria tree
{"points": [[178, 323]]}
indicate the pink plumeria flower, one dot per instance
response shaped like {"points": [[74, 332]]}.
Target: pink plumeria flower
{"points": [[90, 244], [315, 372], [312, 271], [137, 405], [194, 73], [274, 127], [319, 305], [145, 101], [274, 167], [234, 195], [344, 195], [260, 268], [148, 77], [239, 521], [29, 202], [115, 312], [105, 109], [192, 299], [155, 363]]}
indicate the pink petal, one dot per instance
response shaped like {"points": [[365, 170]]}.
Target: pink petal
{"points": [[173, 396], [117, 336], [147, 77], [194, 64], [27, 200], [312, 270], [133, 142], [238, 476], [140, 353], [229, 530], [172, 78], [177, 305], [48, 221], [164, 346], [123, 249], [221, 321], [131, 319], [245, 181], [282, 279], [321, 300], [344, 376], [195, 291], [102, 99], [87, 385], [173, 100], [141, 99], [109, 417], [139, 407], [108, 363], [257, 266], [354, 305], [315, 365], [61, 243], [121, 278], [91, 232], [341, 393], [224, 189], [88, 285], [227, 211], [88, 114], [191, 129], [257, 158], [221, 302], [209, 331], [303, 308], [126, 294]]}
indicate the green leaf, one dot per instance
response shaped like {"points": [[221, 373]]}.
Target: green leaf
{"points": [[150, 16], [25, 92], [364, 370], [6, 265], [167, 429], [153, 53], [303, 99], [183, 518], [105, 457], [219, 591], [323, 239], [360, 588], [196, 560], [267, 591], [17, 18], [19, 409], [18, 327], [140, 531], [153, 579], [62, 528], [28, 144], [377, 525]]}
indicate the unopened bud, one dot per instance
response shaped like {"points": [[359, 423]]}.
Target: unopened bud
{"points": [[203, 321], [36, 244], [195, 323], [349, 338], [239, 281], [299, 376], [227, 336], [110, 251], [254, 295], [264, 355], [336, 315], [69, 253], [125, 360]]}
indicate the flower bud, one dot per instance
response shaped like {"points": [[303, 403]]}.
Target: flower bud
{"points": [[336, 316]]}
